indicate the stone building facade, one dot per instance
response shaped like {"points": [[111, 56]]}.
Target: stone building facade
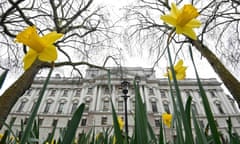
{"points": [[64, 95]]}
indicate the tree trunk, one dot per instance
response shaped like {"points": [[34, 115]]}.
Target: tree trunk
{"points": [[228, 79], [17, 89]]}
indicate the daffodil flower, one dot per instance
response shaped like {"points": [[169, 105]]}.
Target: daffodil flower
{"points": [[179, 70], [167, 119], [121, 123], [183, 20], [39, 47]]}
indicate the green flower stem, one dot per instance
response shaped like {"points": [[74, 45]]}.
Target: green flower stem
{"points": [[187, 128], [206, 105], [28, 129]]}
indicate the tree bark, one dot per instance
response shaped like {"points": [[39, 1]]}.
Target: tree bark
{"points": [[228, 79], [17, 89]]}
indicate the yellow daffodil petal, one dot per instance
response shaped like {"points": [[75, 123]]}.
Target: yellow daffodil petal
{"points": [[179, 64], [166, 75], [169, 19], [190, 33], [183, 20], [167, 119], [49, 54], [29, 58], [121, 123], [194, 23], [180, 76], [188, 12], [52, 37], [30, 38], [179, 70], [23, 36], [41, 47], [174, 10]]}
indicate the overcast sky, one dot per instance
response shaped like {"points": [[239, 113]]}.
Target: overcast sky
{"points": [[115, 6]]}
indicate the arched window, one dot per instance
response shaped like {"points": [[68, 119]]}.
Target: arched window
{"points": [[153, 102], [61, 105], [74, 106], [219, 107], [21, 106], [194, 108], [48, 105], [87, 103], [166, 107], [33, 105]]}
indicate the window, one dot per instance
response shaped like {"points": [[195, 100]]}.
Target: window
{"points": [[21, 106], [188, 93], [60, 108], [120, 106], [201, 123], [133, 105], [219, 107], [38, 91], [194, 108], [199, 93], [68, 122], [150, 91], [106, 90], [174, 92], [33, 105], [238, 119], [87, 105], [74, 107], [47, 107], [163, 93], [166, 108], [213, 93], [54, 122], [106, 105], [65, 93], [52, 92], [90, 91], [78, 93], [104, 121], [12, 120], [157, 122], [84, 122], [119, 90], [154, 106], [25, 121], [40, 121], [29, 91]]}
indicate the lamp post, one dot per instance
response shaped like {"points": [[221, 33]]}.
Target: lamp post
{"points": [[125, 87]]}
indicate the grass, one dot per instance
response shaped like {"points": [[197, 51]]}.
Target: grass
{"points": [[183, 123]]}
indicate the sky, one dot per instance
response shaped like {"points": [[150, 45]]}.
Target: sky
{"points": [[205, 70], [115, 6]]}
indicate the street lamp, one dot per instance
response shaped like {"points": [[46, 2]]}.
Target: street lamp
{"points": [[125, 86]]}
